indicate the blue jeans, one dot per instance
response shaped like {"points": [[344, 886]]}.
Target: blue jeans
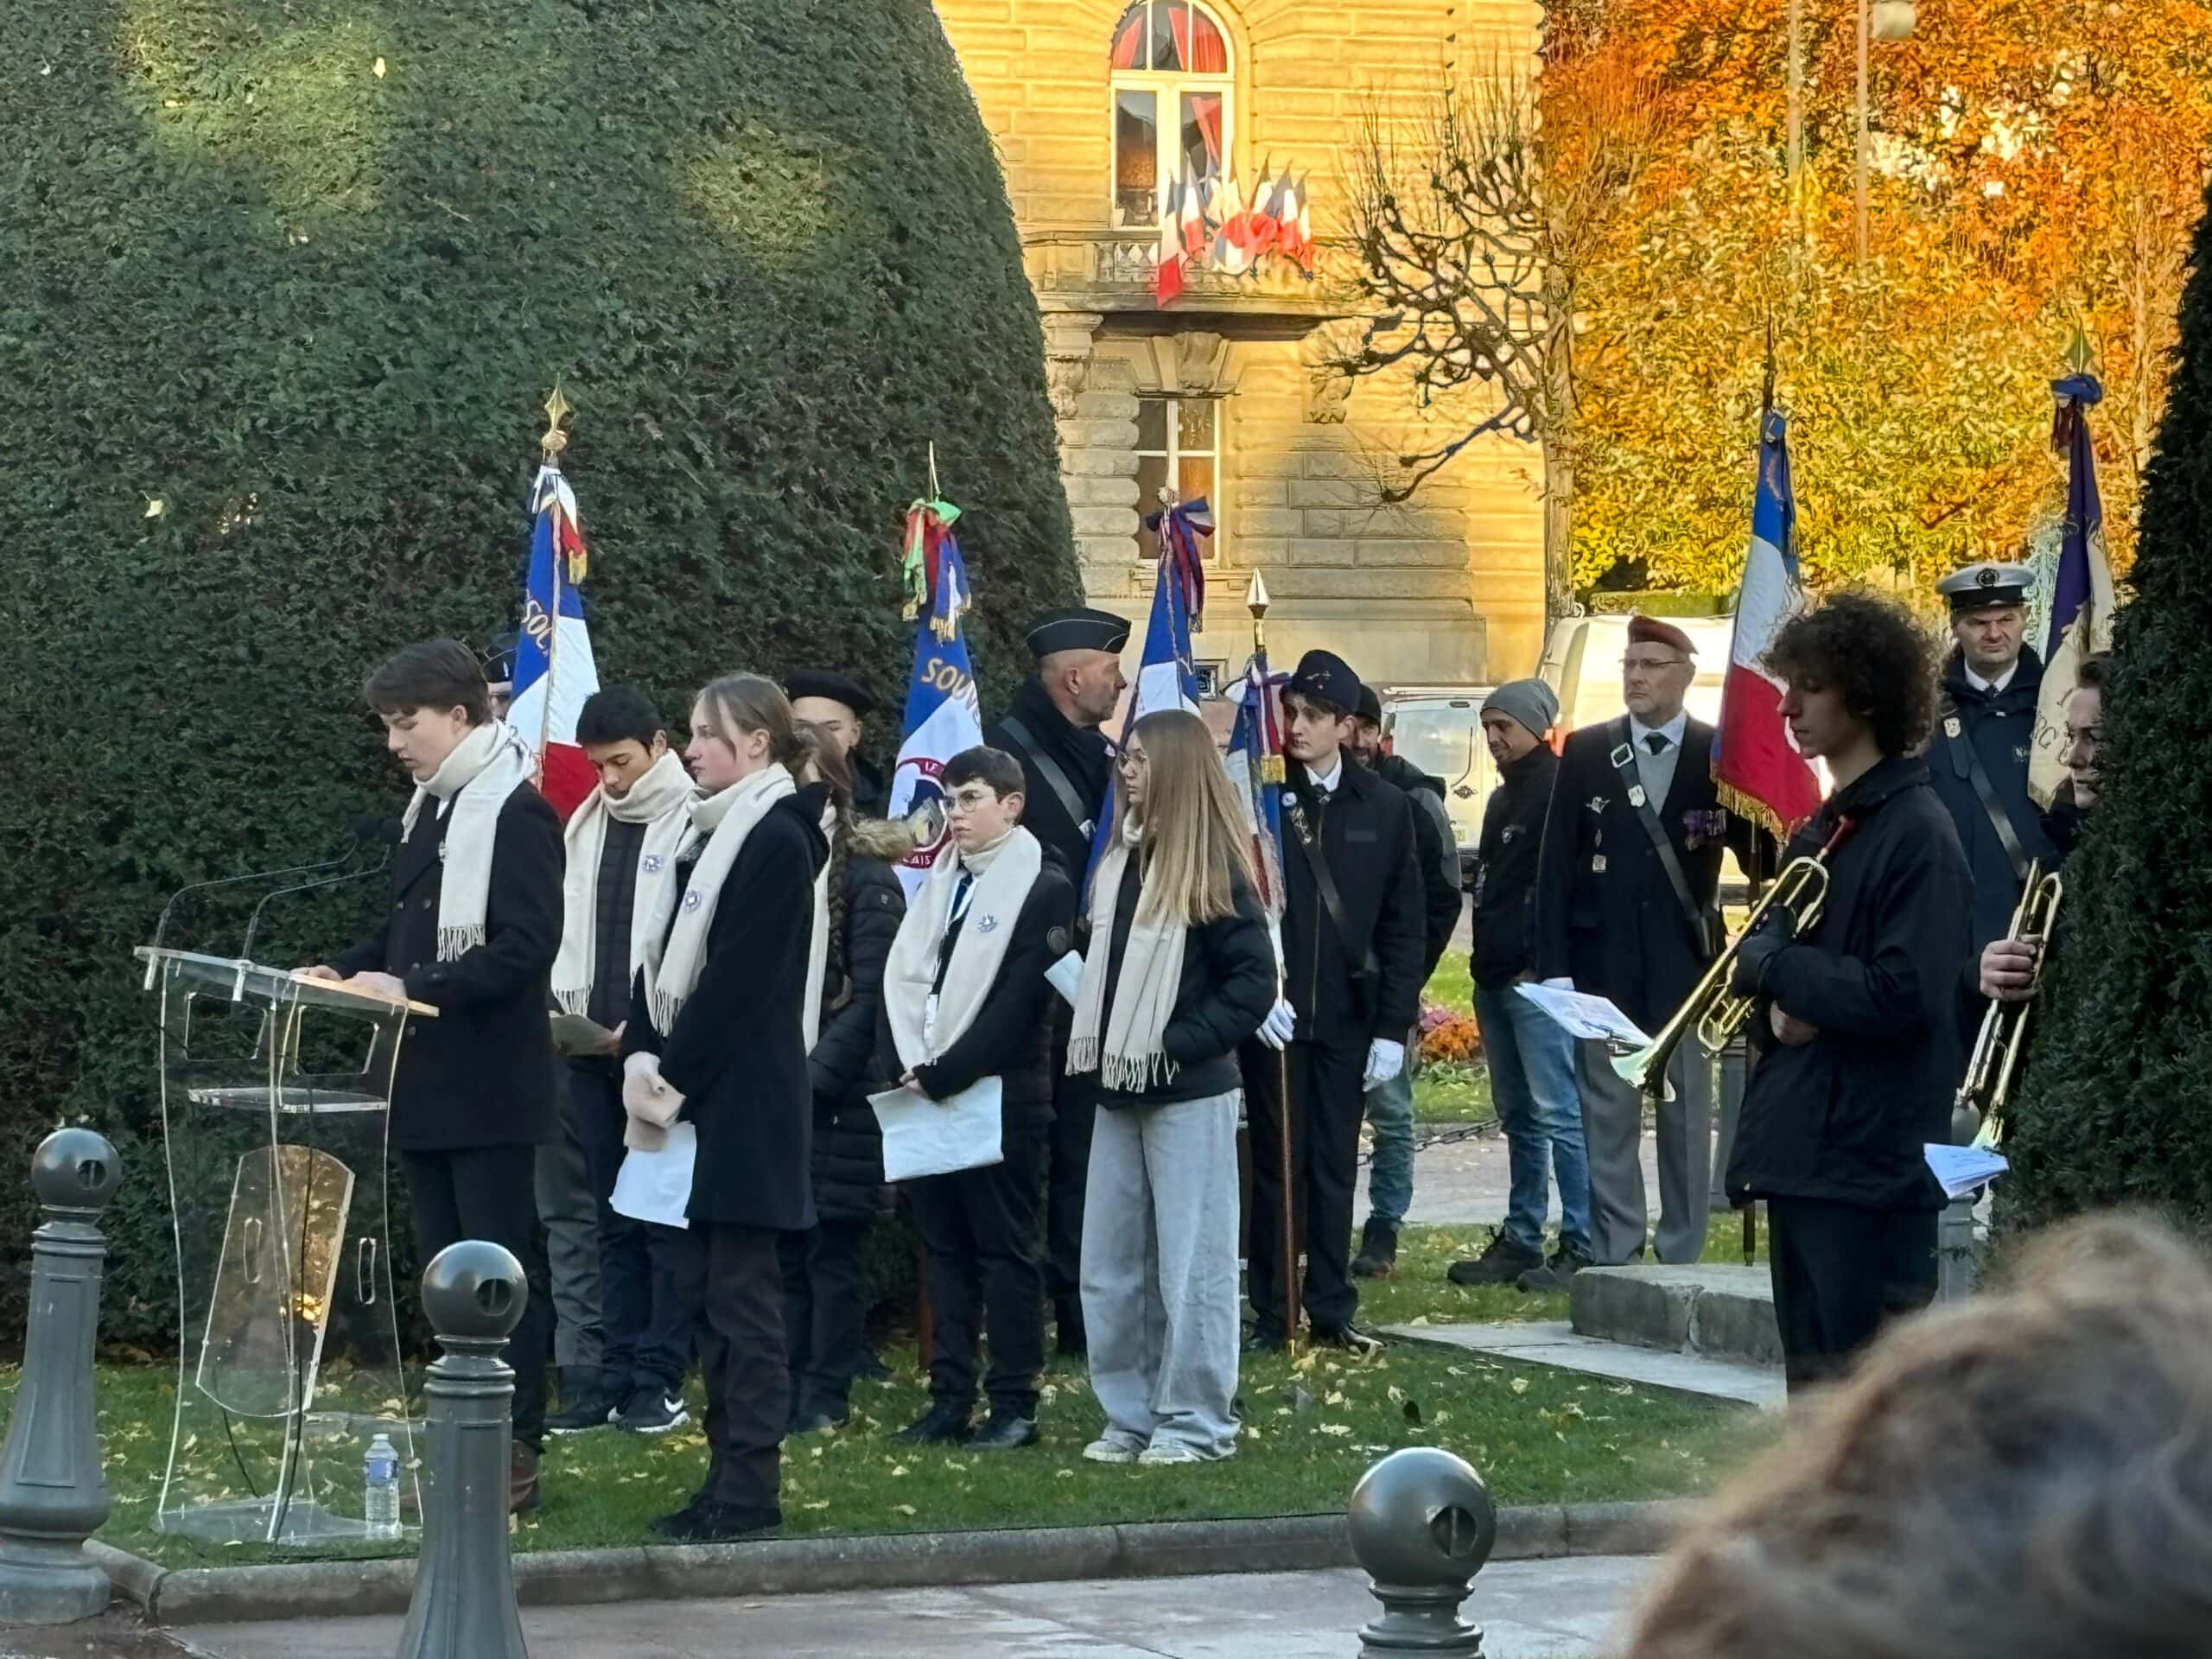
{"points": [[1390, 1177], [1532, 1082]]}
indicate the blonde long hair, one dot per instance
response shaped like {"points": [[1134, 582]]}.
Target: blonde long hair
{"points": [[1191, 843]]}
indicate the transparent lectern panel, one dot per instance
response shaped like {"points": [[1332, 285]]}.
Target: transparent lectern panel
{"points": [[273, 1103]]}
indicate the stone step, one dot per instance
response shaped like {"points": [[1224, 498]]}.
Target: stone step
{"points": [[1721, 1310]]}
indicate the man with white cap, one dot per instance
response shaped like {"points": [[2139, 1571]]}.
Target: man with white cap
{"points": [[1531, 1057], [1985, 736]]}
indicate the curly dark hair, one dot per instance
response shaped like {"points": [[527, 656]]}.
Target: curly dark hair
{"points": [[1869, 649]]}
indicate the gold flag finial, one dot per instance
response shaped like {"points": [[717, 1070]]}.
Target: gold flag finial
{"points": [[557, 410], [1255, 597], [2081, 356]]}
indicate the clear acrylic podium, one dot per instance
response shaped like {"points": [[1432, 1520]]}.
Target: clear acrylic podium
{"points": [[275, 1093]]}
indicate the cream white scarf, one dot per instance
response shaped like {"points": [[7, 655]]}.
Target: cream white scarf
{"points": [[817, 944], [484, 767], [673, 961], [1128, 1056], [1004, 874], [658, 800]]}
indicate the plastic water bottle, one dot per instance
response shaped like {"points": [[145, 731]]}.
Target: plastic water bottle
{"points": [[380, 1484]]}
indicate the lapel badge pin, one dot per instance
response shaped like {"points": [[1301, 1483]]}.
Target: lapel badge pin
{"points": [[1598, 865], [651, 864], [1636, 795], [1950, 725], [987, 924], [1597, 803], [692, 899]]}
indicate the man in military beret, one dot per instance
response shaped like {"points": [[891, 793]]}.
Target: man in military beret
{"points": [[498, 659], [1625, 910], [1985, 736], [839, 706], [1353, 947], [1053, 729]]}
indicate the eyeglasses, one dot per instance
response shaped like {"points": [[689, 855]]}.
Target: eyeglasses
{"points": [[969, 799], [1631, 664]]}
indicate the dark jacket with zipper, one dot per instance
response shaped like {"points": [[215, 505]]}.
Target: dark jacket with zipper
{"points": [[1365, 831], [481, 1073], [1227, 987], [1011, 1036], [1845, 1117], [1436, 851], [737, 1051], [1999, 728], [1079, 754], [1506, 868], [842, 1069]]}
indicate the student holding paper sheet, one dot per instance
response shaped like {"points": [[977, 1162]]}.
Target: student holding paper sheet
{"points": [[721, 1016], [1178, 974], [1857, 1024], [965, 999]]}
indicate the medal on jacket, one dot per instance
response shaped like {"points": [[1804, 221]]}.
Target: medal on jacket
{"points": [[1636, 795], [1598, 864], [1950, 725]]}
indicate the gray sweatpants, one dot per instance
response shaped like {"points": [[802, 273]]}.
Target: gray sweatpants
{"points": [[1612, 1128], [1159, 1273]]}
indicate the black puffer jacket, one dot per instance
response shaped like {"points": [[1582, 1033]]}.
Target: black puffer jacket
{"points": [[1227, 988], [847, 1141]]}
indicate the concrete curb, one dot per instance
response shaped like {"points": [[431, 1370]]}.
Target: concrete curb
{"points": [[208, 1595]]}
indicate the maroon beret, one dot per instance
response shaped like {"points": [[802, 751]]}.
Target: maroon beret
{"points": [[1650, 630]]}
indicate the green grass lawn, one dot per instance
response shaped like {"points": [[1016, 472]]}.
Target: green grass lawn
{"points": [[1313, 1424]]}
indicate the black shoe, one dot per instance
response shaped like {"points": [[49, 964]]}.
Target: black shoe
{"points": [[593, 1405], [1558, 1274], [1265, 1339], [1353, 1339], [1502, 1263], [1378, 1251], [1006, 1432], [650, 1411], [943, 1424], [674, 1526], [710, 1522]]}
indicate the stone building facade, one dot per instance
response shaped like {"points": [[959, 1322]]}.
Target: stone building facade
{"points": [[1092, 104]]}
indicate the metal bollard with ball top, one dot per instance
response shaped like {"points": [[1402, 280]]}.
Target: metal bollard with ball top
{"points": [[1422, 1525], [464, 1601], [52, 1494]]}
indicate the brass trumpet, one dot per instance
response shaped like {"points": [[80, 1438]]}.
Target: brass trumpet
{"points": [[1714, 1013], [2001, 1042]]}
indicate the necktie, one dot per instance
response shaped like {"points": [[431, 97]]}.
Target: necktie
{"points": [[1655, 742], [962, 894]]}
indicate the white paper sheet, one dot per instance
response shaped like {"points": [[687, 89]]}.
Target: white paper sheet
{"points": [[922, 1136], [1066, 976], [656, 1185], [1962, 1169], [1584, 1015]]}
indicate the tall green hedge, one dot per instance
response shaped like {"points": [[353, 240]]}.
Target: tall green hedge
{"points": [[2117, 1105], [281, 289]]}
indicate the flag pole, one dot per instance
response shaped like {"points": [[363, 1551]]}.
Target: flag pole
{"points": [[1255, 600], [550, 445]]}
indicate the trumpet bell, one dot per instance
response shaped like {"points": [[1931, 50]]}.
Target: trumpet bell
{"points": [[1635, 1065]]}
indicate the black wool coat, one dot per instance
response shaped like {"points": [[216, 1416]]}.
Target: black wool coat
{"points": [[842, 1069], [2000, 729], [1011, 1037], [1606, 915], [1228, 985], [1082, 758], [1366, 832], [1845, 1116], [481, 1073], [737, 1052]]}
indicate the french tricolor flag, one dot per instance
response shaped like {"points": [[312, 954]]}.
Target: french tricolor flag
{"points": [[554, 669], [1755, 764]]}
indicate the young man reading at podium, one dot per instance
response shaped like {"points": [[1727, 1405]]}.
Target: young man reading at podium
{"points": [[472, 928]]}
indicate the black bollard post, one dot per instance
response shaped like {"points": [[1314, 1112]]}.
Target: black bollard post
{"points": [[51, 1495], [1422, 1525], [464, 1601]]}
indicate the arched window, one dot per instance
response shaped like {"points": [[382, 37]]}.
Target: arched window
{"points": [[1172, 91]]}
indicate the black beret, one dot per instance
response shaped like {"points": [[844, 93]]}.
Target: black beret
{"points": [[1325, 677], [1077, 630], [829, 683]]}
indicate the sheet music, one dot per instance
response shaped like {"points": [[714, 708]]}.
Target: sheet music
{"points": [[1584, 1015], [922, 1136]]}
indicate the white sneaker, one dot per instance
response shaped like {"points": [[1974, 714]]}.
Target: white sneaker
{"points": [[1111, 1449], [1164, 1451]]}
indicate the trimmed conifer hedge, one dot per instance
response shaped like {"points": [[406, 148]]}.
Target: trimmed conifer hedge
{"points": [[281, 289], [2117, 1105]]}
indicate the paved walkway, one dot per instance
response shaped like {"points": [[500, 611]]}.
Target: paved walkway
{"points": [[1553, 1342], [1464, 1183], [1528, 1610]]}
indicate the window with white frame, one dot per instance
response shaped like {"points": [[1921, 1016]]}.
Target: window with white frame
{"points": [[1179, 446], [1171, 89]]}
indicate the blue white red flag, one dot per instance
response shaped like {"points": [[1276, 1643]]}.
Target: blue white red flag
{"points": [[554, 668], [1166, 677], [943, 715], [1256, 774], [1755, 765], [2080, 589]]}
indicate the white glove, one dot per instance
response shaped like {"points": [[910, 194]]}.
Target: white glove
{"points": [[1280, 1025], [646, 1093], [1558, 984], [1385, 1059]]}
